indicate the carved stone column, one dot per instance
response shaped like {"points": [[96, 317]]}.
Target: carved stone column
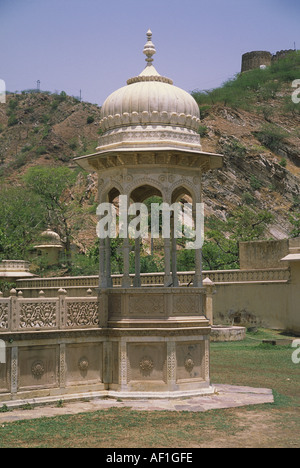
{"points": [[123, 364], [14, 369], [198, 279], [171, 364], [102, 276], [174, 254], [109, 283], [167, 248], [137, 250], [126, 281]]}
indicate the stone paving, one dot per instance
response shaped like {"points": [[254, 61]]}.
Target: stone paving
{"points": [[226, 396]]}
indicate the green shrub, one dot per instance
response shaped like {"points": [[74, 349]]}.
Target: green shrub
{"points": [[283, 162], [271, 136], [204, 111], [12, 120], [54, 105], [203, 131], [90, 119], [21, 160], [235, 149], [248, 198], [73, 146], [255, 183], [41, 150]]}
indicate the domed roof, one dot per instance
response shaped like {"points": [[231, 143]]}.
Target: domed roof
{"points": [[150, 111], [49, 238]]}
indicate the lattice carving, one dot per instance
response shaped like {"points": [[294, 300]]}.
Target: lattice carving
{"points": [[146, 305], [4, 316], [83, 314], [185, 305], [38, 315]]}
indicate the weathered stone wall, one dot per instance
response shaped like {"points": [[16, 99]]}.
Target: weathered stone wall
{"points": [[255, 59], [252, 60], [263, 254]]}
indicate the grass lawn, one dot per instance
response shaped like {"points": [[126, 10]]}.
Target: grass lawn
{"points": [[247, 363]]}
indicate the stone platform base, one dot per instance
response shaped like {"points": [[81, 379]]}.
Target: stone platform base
{"points": [[219, 334], [107, 395], [225, 396]]}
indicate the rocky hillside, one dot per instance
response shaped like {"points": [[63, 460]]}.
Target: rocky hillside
{"points": [[261, 146], [254, 174], [43, 128]]}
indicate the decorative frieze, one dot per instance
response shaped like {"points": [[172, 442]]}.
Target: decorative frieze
{"points": [[40, 314], [4, 315], [82, 314]]}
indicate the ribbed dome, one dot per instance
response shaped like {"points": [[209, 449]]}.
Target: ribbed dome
{"points": [[50, 238], [150, 102], [150, 110]]}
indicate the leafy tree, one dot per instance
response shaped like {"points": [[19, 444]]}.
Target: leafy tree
{"points": [[53, 187], [221, 250], [295, 221], [22, 217]]}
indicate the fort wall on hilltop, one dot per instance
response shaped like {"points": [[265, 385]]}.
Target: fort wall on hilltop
{"points": [[257, 59]]}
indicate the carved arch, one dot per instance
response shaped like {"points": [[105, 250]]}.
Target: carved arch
{"points": [[158, 188], [110, 187], [185, 187]]}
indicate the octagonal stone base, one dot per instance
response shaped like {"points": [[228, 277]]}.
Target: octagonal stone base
{"points": [[159, 342], [144, 343]]}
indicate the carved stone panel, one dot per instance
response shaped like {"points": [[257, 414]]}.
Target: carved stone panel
{"points": [[4, 315], [115, 363], [147, 362], [5, 380], [185, 305], [146, 305], [114, 305], [42, 314], [82, 314], [84, 363], [38, 367], [190, 361]]}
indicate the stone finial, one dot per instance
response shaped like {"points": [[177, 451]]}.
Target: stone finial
{"points": [[209, 285], [208, 282], [149, 49]]}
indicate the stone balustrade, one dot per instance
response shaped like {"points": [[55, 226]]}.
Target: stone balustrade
{"points": [[80, 284], [20, 314]]}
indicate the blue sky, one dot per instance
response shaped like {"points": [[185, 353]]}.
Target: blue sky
{"points": [[96, 45]]}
